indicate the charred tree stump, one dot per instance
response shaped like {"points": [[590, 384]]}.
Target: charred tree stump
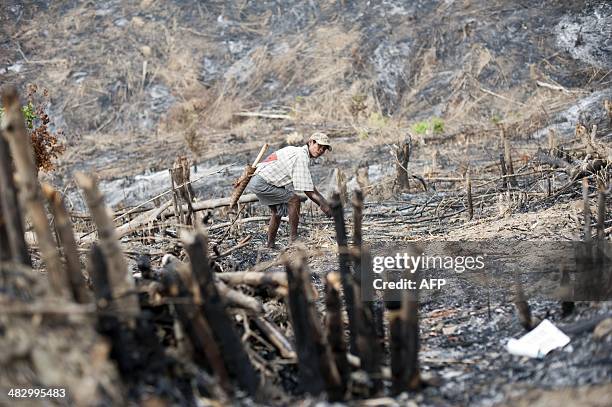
{"points": [[508, 158], [234, 355], [345, 270], [66, 239], [207, 353], [404, 343], [396, 345], [316, 370], [403, 158], [411, 377], [367, 341], [135, 347], [120, 279], [15, 246], [29, 189], [335, 328], [181, 177], [5, 248], [469, 197], [567, 306], [108, 322], [178, 214], [504, 172], [522, 307], [601, 210], [587, 209]]}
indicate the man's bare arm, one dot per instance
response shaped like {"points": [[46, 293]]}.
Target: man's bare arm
{"points": [[316, 197]]}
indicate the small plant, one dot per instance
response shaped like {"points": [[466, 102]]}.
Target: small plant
{"points": [[45, 143], [29, 115], [435, 125], [420, 127]]}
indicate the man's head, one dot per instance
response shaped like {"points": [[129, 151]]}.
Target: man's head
{"points": [[318, 144]]}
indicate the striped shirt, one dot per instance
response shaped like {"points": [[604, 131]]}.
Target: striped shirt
{"points": [[287, 165]]}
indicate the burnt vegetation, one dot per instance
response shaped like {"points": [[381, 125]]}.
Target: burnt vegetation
{"points": [[131, 271]]}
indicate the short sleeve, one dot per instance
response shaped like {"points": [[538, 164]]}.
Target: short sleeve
{"points": [[300, 175]]}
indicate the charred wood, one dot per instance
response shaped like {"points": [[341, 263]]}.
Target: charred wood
{"points": [[63, 225], [345, 270], [316, 371], [214, 310], [29, 188]]}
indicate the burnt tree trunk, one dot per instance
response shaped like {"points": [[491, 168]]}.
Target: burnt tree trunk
{"points": [[29, 189], [403, 158], [234, 355], [316, 370], [335, 328], [345, 270], [66, 239], [15, 246], [367, 341], [120, 278]]}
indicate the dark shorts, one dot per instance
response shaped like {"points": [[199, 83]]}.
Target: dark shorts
{"points": [[270, 195]]}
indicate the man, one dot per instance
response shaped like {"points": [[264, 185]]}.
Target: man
{"points": [[284, 172]]}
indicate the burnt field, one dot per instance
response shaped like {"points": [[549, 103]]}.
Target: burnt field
{"points": [[459, 128]]}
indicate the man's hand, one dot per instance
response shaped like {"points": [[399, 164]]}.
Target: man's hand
{"points": [[316, 197]]}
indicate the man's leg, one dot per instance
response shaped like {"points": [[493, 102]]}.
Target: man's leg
{"points": [[275, 220], [294, 216]]}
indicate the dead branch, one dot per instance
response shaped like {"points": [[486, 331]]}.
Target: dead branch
{"points": [[120, 279], [274, 335], [14, 246], [66, 239], [255, 279], [241, 184]]}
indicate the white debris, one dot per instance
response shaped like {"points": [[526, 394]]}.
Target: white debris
{"points": [[539, 342]]}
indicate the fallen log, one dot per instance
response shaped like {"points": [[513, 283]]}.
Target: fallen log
{"points": [[212, 204], [165, 211], [232, 297], [254, 278], [274, 335], [238, 299]]}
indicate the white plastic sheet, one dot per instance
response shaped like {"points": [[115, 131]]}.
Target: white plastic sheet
{"points": [[539, 342]]}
